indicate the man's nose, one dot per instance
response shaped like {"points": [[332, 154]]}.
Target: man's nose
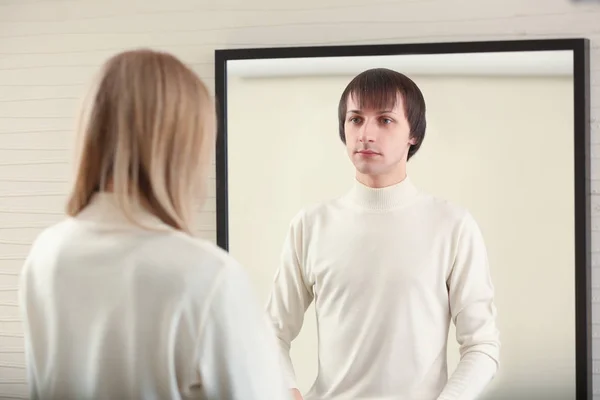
{"points": [[366, 132]]}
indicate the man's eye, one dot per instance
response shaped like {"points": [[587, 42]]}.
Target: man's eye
{"points": [[354, 120], [387, 121]]}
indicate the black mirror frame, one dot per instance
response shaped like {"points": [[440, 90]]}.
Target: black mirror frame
{"points": [[581, 156]]}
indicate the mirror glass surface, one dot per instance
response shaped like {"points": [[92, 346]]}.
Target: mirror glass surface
{"points": [[499, 142]]}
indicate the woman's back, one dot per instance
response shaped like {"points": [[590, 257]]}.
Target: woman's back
{"points": [[120, 301], [114, 311]]}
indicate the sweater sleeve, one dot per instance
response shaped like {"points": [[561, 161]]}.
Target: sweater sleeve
{"points": [[24, 295], [471, 296], [237, 354], [290, 297], [470, 378]]}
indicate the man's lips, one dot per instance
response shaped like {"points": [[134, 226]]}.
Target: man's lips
{"points": [[367, 152]]}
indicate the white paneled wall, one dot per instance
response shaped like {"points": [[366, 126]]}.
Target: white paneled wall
{"points": [[49, 49]]}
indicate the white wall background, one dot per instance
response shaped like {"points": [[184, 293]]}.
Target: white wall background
{"points": [[50, 48]]}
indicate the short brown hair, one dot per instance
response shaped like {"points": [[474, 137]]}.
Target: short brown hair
{"points": [[378, 88], [147, 135]]}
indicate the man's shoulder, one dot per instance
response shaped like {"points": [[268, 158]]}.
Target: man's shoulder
{"points": [[316, 210], [445, 209]]}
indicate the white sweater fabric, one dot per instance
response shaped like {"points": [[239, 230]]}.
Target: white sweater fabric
{"points": [[388, 270], [112, 311]]}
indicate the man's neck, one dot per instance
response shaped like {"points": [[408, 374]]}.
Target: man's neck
{"points": [[381, 181], [383, 198]]}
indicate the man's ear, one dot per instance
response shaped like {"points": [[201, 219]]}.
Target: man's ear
{"points": [[412, 140]]}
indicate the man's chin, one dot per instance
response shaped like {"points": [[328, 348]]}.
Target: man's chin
{"points": [[369, 170]]}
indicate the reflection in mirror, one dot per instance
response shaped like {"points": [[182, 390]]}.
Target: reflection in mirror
{"points": [[485, 217]]}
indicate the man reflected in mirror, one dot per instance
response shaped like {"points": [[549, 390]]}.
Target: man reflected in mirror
{"points": [[387, 266]]}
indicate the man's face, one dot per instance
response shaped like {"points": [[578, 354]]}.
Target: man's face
{"points": [[377, 141]]}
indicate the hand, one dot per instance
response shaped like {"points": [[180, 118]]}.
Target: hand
{"points": [[296, 395]]}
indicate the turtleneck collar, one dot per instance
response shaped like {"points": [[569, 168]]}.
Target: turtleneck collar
{"points": [[382, 199]]}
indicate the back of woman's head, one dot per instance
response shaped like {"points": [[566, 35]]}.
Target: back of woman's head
{"points": [[147, 136]]}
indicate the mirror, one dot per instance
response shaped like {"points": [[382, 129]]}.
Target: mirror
{"points": [[506, 138]]}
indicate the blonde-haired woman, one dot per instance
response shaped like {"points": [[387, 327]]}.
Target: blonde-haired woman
{"points": [[119, 300]]}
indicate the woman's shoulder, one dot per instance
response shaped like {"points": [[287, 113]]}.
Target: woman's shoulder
{"points": [[166, 251], [193, 250], [203, 264]]}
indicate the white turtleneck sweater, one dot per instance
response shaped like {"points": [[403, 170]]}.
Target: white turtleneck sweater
{"points": [[388, 270], [113, 311]]}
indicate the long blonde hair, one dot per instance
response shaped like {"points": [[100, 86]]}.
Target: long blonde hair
{"points": [[147, 136]]}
